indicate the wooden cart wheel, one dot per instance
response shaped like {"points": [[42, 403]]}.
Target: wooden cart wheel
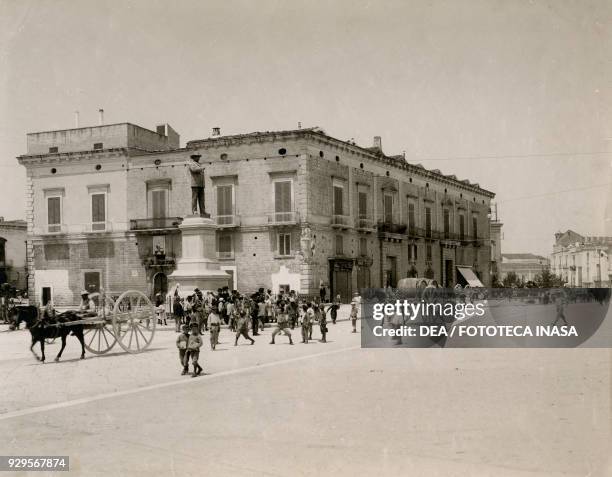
{"points": [[134, 321], [99, 335]]}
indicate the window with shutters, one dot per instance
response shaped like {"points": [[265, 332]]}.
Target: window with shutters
{"points": [[475, 227], [363, 247], [98, 211], [388, 207], [411, 219], [462, 227], [225, 247], [54, 214], [158, 202], [338, 200], [363, 205], [284, 244], [428, 222], [283, 201], [446, 215], [225, 204], [339, 245]]}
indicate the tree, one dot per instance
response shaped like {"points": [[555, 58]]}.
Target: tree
{"points": [[511, 280], [547, 279]]}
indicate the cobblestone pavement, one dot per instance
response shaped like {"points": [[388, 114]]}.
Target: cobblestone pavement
{"points": [[316, 409]]}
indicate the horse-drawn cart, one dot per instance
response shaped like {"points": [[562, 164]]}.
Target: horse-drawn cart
{"points": [[129, 321]]}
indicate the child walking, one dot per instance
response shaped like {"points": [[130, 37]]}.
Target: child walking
{"points": [[193, 345], [181, 344]]}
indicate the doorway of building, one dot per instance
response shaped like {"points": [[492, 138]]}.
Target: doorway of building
{"points": [[391, 272], [160, 284], [363, 278], [448, 274], [46, 295], [92, 282], [340, 281]]}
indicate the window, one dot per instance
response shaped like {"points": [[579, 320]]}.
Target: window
{"points": [[411, 218], [429, 252], [283, 201], [339, 245], [98, 145], [446, 214], [363, 247], [224, 246], [338, 200], [53, 149], [284, 244], [363, 205], [98, 211], [412, 252], [54, 214], [462, 227], [428, 222], [225, 204], [475, 227], [158, 201], [388, 208]]}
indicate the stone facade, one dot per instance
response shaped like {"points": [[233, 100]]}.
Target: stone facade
{"points": [[582, 261], [293, 209], [13, 268]]}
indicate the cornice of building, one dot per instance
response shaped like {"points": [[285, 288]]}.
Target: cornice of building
{"points": [[319, 135]]}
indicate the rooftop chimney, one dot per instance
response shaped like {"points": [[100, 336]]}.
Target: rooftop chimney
{"points": [[299, 124], [377, 142], [76, 119], [101, 117], [216, 132]]}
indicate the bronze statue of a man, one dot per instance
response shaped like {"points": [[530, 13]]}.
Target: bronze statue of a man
{"points": [[197, 185]]}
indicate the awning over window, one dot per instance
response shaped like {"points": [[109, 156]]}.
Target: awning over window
{"points": [[470, 276]]}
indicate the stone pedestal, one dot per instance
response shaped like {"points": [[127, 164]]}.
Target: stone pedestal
{"points": [[198, 267]]}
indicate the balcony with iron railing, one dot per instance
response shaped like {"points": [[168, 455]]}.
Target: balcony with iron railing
{"points": [[365, 224], [161, 223], [157, 260], [226, 255], [227, 221], [283, 218], [392, 227], [341, 221]]}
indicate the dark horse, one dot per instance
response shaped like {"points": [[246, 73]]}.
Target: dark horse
{"points": [[52, 329]]}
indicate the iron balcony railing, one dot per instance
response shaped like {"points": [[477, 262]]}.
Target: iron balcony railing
{"points": [[365, 223], [222, 255], [155, 224], [341, 221], [391, 227], [283, 218], [225, 221]]}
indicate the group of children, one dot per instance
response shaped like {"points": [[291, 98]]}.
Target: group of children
{"points": [[286, 311]]}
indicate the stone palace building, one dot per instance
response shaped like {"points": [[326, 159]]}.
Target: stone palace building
{"points": [[293, 209]]}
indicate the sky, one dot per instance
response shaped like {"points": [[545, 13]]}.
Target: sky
{"points": [[515, 95]]}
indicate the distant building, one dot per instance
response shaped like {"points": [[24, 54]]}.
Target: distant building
{"points": [[292, 208], [495, 234], [582, 261], [13, 235], [526, 266]]}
